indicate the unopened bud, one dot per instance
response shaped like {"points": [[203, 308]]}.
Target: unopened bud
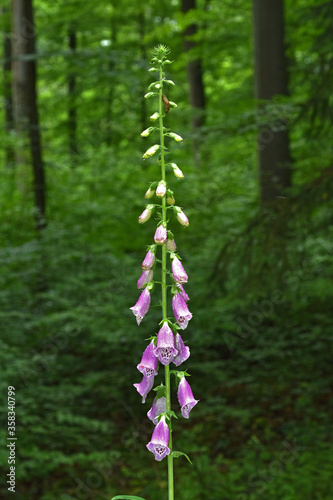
{"points": [[151, 151], [181, 217], [160, 236], [170, 198], [161, 189], [147, 132], [176, 137], [171, 245], [149, 193], [150, 94], [154, 117], [176, 170], [146, 214]]}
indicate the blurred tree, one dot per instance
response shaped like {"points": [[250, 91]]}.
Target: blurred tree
{"points": [[271, 79], [7, 86], [25, 98]]}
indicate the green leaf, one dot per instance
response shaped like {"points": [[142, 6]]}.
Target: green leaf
{"points": [[177, 454]]}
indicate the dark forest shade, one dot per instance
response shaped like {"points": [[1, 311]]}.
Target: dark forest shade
{"points": [[194, 70], [271, 79]]}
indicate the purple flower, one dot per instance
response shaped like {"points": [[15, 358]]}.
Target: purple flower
{"points": [[165, 349], [178, 271], [185, 397], [182, 292], [183, 351], [144, 387], [148, 261], [160, 236], [180, 311], [146, 277], [142, 306], [149, 362], [160, 440], [159, 406]]}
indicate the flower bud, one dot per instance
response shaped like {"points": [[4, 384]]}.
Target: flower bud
{"points": [[176, 137], [161, 189], [146, 214], [149, 193], [150, 94], [170, 198], [151, 151], [176, 170], [181, 217], [149, 259], [171, 245], [154, 117], [145, 278], [160, 236], [147, 132]]}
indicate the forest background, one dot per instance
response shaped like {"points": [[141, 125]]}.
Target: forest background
{"points": [[253, 87]]}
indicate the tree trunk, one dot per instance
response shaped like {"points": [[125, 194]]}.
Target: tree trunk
{"points": [[194, 71], [7, 90], [72, 119], [271, 78], [25, 98]]}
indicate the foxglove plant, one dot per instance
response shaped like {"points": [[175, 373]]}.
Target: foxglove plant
{"points": [[166, 346]]}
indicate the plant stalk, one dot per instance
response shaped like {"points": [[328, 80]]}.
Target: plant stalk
{"points": [[164, 291]]}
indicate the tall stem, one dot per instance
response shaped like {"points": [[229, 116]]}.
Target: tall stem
{"points": [[164, 291]]}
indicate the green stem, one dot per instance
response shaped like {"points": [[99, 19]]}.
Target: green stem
{"points": [[164, 290]]}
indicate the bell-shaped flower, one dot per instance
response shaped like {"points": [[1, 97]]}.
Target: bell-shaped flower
{"points": [[144, 387], [149, 362], [158, 407], [146, 214], [160, 236], [185, 397], [182, 292], [148, 261], [142, 306], [181, 311], [165, 347], [160, 440], [178, 271], [183, 351], [145, 278]]}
